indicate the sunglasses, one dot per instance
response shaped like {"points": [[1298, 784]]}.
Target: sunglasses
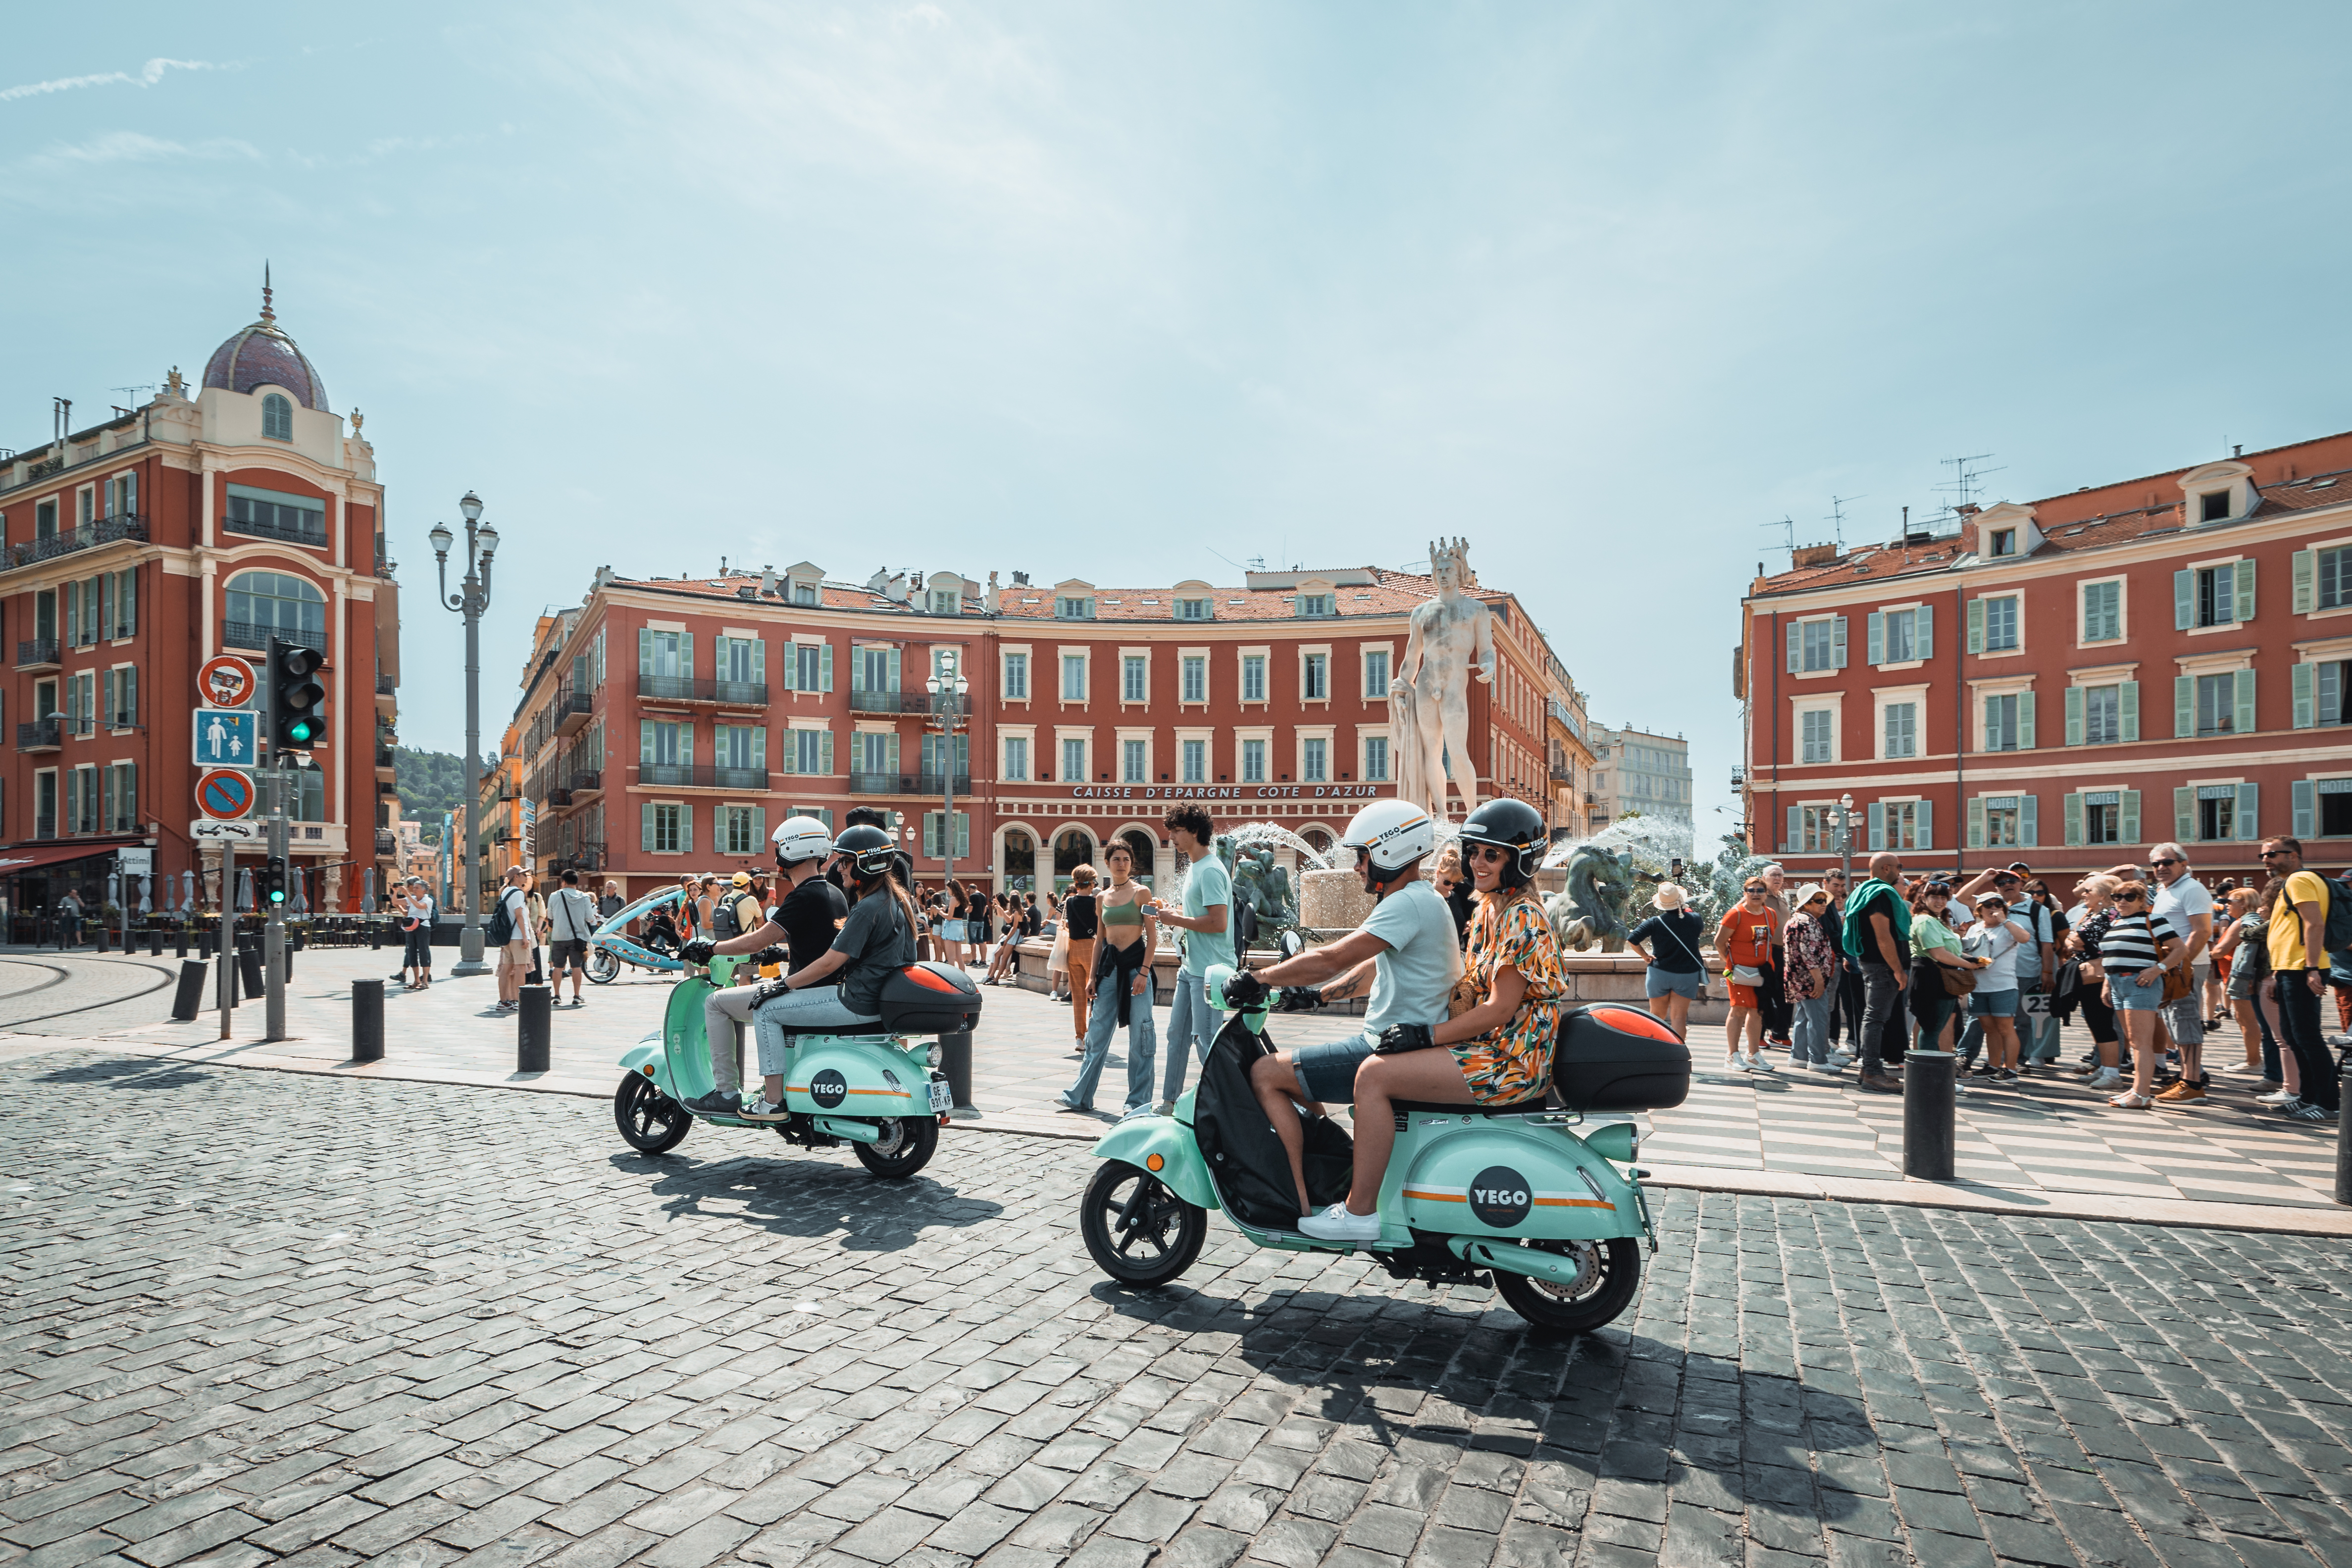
{"points": [[2162, 860], [2274, 854], [1488, 852], [2131, 898]]}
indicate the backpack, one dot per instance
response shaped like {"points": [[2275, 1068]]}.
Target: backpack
{"points": [[2337, 937], [502, 927], [723, 924]]}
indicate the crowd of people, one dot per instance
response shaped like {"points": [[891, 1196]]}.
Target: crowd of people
{"points": [[1993, 965]]}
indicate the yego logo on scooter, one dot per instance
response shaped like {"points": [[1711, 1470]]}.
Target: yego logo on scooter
{"points": [[1500, 1197], [828, 1089]]}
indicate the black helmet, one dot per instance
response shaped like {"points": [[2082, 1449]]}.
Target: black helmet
{"points": [[1511, 825], [870, 850]]}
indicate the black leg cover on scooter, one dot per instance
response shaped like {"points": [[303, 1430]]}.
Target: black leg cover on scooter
{"points": [[1245, 1157]]}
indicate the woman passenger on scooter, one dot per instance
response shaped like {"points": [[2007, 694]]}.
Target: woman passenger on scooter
{"points": [[1500, 1048]]}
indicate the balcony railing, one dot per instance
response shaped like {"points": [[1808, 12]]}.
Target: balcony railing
{"points": [[314, 537], [587, 781], [907, 783], [383, 758], [34, 652], [104, 531], [253, 634], [889, 702], [385, 685], [45, 827], [1563, 775], [571, 710], [681, 775], [387, 843], [38, 734], [557, 796], [701, 689], [587, 857]]}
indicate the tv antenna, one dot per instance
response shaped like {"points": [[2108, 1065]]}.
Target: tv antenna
{"points": [[1963, 484], [136, 391], [1837, 516], [1788, 526]]}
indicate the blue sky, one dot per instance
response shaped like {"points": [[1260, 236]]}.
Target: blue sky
{"points": [[1108, 290]]}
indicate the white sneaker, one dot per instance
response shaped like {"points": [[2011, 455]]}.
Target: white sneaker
{"points": [[2281, 1097], [1336, 1224], [1841, 1057], [2106, 1078], [1758, 1064]]}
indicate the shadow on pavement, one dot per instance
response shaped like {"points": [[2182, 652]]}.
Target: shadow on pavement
{"points": [[126, 1073], [798, 1192]]}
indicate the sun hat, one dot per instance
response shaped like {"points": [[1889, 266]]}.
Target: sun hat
{"points": [[1809, 892], [1668, 897]]}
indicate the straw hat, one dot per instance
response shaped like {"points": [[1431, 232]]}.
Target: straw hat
{"points": [[1809, 892], [1668, 897]]}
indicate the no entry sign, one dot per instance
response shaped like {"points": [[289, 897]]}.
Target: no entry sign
{"points": [[225, 681], [224, 794]]}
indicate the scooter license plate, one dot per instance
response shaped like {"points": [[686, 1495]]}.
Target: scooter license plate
{"points": [[942, 1097]]}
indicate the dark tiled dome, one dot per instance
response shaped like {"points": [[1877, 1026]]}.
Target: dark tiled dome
{"points": [[263, 355]]}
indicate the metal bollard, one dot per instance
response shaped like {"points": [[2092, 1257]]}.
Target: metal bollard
{"points": [[105, 939], [180, 941], [375, 934], [367, 1020], [531, 1029], [154, 941], [1930, 1114], [955, 1061], [248, 967], [2343, 1138], [190, 997]]}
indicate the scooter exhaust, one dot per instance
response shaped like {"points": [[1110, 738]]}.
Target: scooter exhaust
{"points": [[856, 1132], [1528, 1261]]}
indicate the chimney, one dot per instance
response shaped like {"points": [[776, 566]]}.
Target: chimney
{"points": [[767, 581]]}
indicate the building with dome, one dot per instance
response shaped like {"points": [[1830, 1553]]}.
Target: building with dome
{"points": [[135, 550]]}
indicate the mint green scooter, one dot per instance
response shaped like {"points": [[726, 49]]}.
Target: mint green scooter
{"points": [[1526, 1194], [867, 1086]]}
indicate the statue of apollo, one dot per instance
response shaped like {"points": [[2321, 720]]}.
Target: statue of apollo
{"points": [[1429, 701]]}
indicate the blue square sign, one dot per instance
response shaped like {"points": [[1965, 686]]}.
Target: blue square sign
{"points": [[228, 737]]}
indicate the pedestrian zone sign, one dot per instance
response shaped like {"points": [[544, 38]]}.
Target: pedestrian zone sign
{"points": [[228, 737]]}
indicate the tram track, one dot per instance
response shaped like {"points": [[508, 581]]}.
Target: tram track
{"points": [[59, 974]]}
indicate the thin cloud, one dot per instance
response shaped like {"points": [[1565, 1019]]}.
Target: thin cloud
{"points": [[132, 147], [147, 75]]}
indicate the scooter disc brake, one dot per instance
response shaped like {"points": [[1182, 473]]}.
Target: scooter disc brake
{"points": [[1587, 1273], [893, 1139]]}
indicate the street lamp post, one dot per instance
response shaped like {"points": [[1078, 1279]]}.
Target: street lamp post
{"points": [[471, 598], [947, 688], [1845, 836]]}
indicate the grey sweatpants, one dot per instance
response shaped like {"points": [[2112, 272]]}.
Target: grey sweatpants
{"points": [[724, 1013]]}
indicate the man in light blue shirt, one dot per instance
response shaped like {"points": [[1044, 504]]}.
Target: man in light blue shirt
{"points": [[1208, 926]]}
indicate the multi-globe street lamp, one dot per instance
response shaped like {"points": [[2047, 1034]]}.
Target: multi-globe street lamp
{"points": [[947, 688], [471, 598]]}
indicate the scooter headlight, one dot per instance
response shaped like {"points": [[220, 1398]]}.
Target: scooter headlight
{"points": [[935, 1055]]}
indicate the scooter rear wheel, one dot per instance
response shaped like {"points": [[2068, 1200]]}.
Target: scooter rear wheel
{"points": [[1139, 1231], [906, 1147], [649, 1119], [1618, 1265]]}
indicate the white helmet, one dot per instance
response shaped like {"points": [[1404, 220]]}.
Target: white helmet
{"points": [[1396, 833], [801, 838]]}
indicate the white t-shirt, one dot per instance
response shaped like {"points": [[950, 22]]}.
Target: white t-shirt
{"points": [[2036, 919], [2186, 897], [1999, 945], [1412, 980], [518, 911]]}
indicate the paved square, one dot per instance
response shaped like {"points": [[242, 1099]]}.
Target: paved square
{"points": [[261, 1316]]}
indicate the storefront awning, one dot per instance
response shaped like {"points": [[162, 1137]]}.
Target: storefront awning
{"points": [[28, 858]]}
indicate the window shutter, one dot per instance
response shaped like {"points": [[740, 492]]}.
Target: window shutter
{"points": [[2184, 705], [685, 745], [2127, 817], [792, 667], [2250, 803], [2245, 590], [1796, 646], [2307, 809], [2184, 601], [824, 752], [645, 665], [686, 826], [964, 834], [2073, 820], [2184, 814], [1976, 625], [645, 741], [890, 752], [2305, 597], [130, 602], [2073, 715], [105, 617], [129, 790], [106, 696], [685, 667], [2029, 826], [106, 799], [759, 829], [790, 762], [1976, 822], [2025, 721], [2307, 696], [824, 668], [1922, 821], [1923, 631], [1796, 826], [894, 684], [645, 827], [131, 696], [1877, 825], [857, 668], [1877, 638], [759, 747], [1837, 643], [2127, 709], [2245, 702], [759, 659], [930, 835]]}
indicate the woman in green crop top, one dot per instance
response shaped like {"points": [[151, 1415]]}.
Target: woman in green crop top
{"points": [[1119, 984]]}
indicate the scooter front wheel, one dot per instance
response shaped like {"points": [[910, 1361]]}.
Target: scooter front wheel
{"points": [[1137, 1229], [907, 1145], [1605, 1290], [651, 1122]]}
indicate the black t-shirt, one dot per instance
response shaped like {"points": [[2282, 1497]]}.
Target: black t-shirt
{"points": [[810, 915], [878, 940], [1673, 937], [1031, 920], [1886, 902], [1078, 915]]}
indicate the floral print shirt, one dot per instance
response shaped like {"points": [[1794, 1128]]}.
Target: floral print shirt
{"points": [[1811, 963], [1512, 1062]]}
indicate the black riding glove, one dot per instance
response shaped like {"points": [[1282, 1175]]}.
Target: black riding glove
{"points": [[1403, 1037], [767, 955], [700, 951], [1298, 999], [1244, 990]]}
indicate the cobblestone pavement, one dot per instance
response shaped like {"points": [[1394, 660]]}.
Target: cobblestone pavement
{"points": [[254, 1317]]}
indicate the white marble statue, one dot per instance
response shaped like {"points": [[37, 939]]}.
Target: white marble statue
{"points": [[1452, 642]]}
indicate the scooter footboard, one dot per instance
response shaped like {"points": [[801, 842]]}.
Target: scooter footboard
{"points": [[1164, 1146], [1509, 1180]]}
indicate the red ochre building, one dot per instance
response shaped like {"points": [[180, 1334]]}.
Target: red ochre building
{"points": [[135, 550], [667, 724], [2068, 682]]}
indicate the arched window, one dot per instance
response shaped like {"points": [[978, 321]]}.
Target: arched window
{"points": [[1020, 869], [1071, 848], [261, 602], [277, 418], [1140, 845]]}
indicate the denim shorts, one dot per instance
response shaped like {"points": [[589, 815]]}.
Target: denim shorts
{"points": [[1659, 982], [2136, 998], [1993, 1003], [1328, 1072]]}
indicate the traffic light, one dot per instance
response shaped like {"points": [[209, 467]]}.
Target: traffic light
{"points": [[273, 882], [297, 717]]}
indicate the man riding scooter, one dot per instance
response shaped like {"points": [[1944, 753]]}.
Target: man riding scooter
{"points": [[806, 920], [1403, 955]]}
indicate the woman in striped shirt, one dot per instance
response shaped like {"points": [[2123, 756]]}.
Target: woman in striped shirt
{"points": [[2136, 948]]}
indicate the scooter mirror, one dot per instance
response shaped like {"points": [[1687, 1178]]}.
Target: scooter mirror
{"points": [[1291, 945]]}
